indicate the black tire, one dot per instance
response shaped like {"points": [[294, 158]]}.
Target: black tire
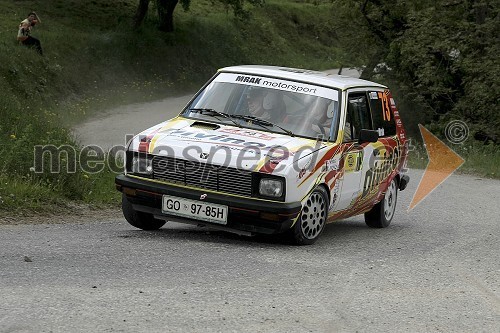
{"points": [[380, 216], [312, 219], [139, 220]]}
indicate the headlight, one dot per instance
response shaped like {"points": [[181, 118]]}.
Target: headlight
{"points": [[271, 187], [142, 165]]}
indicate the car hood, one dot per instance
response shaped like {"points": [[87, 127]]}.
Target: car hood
{"points": [[224, 145]]}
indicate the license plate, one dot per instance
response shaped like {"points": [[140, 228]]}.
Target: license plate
{"points": [[194, 209]]}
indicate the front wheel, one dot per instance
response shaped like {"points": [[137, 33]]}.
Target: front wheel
{"points": [[380, 216], [139, 220], [312, 219]]}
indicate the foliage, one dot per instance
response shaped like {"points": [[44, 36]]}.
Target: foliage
{"points": [[238, 6], [443, 55], [166, 8]]}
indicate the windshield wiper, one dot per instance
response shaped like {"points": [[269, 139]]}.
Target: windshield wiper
{"points": [[262, 123], [213, 112]]}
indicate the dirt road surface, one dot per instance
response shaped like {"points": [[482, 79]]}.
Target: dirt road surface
{"points": [[435, 269]]}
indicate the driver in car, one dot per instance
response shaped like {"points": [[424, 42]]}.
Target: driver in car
{"points": [[266, 104], [256, 104]]}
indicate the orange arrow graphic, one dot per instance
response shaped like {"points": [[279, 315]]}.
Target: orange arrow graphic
{"points": [[443, 161]]}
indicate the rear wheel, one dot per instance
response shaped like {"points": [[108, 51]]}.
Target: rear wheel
{"points": [[380, 216], [139, 220], [312, 219]]}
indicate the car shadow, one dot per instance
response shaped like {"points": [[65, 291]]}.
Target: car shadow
{"points": [[339, 232]]}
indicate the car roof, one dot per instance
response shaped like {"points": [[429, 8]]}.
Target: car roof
{"points": [[303, 75]]}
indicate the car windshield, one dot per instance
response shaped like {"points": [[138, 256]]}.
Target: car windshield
{"points": [[269, 104]]}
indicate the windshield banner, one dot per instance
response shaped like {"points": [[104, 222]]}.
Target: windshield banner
{"points": [[266, 82]]}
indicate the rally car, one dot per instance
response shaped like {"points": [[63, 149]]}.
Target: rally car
{"points": [[270, 150]]}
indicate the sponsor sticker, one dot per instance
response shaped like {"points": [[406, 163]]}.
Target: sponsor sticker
{"points": [[335, 195], [248, 133], [279, 84], [332, 164], [351, 162], [302, 173]]}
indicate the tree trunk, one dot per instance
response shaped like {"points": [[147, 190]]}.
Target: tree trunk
{"points": [[166, 14], [140, 13]]}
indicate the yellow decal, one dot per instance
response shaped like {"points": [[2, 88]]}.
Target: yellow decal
{"points": [[152, 144], [167, 126], [351, 162]]}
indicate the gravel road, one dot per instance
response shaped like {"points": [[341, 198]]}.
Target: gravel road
{"points": [[110, 128], [435, 268]]}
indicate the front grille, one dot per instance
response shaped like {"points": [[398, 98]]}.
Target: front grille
{"points": [[203, 175]]}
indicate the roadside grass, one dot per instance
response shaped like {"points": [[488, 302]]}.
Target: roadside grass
{"points": [[19, 194], [101, 190], [32, 194], [94, 60], [417, 158], [479, 159]]}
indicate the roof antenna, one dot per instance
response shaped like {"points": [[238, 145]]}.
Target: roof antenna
{"points": [[340, 71]]}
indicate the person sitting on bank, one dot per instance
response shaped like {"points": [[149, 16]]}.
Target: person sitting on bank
{"points": [[24, 33]]}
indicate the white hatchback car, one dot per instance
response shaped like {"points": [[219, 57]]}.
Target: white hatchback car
{"points": [[270, 150]]}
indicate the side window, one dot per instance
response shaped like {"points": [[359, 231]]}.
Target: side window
{"points": [[358, 116], [383, 120]]}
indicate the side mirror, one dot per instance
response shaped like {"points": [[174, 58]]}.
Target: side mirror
{"points": [[366, 135]]}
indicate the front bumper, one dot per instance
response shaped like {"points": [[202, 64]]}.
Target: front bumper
{"points": [[245, 214]]}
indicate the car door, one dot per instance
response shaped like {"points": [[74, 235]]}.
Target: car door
{"points": [[354, 160], [385, 154]]}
